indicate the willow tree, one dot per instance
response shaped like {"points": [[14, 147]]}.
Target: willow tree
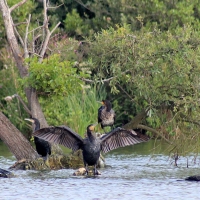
{"points": [[156, 71]]}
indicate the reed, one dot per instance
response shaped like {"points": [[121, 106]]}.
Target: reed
{"points": [[77, 110]]}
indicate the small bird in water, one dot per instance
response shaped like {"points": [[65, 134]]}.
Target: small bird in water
{"points": [[92, 145], [43, 147], [106, 115], [5, 174], [193, 178]]}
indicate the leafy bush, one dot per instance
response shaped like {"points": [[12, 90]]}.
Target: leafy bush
{"points": [[75, 25], [53, 76]]}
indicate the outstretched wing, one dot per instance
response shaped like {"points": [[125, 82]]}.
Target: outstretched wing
{"points": [[120, 137], [61, 135]]}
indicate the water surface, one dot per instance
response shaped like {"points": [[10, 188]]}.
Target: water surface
{"points": [[130, 173]]}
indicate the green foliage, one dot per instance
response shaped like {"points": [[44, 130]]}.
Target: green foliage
{"points": [[77, 110], [74, 24], [53, 76], [144, 13]]}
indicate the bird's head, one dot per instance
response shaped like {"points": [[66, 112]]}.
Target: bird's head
{"points": [[91, 127], [101, 102], [32, 120], [105, 102], [35, 122]]}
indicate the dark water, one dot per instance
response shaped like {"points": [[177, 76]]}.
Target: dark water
{"points": [[131, 173]]}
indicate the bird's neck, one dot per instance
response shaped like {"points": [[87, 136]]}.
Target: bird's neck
{"points": [[91, 136], [108, 107], [37, 126]]}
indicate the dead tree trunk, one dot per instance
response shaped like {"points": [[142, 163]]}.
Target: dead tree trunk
{"points": [[16, 142]]}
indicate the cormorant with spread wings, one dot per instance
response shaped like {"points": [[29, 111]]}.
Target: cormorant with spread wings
{"points": [[92, 145]]}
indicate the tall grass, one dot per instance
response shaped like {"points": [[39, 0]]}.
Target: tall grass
{"points": [[78, 110]]}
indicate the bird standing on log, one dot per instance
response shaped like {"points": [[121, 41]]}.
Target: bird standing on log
{"points": [[106, 115], [43, 147], [92, 145]]}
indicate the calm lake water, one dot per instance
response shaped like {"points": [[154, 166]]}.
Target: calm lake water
{"points": [[130, 173]]}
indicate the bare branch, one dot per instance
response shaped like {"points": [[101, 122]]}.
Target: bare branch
{"points": [[39, 27], [24, 105], [45, 28], [33, 43], [55, 7], [82, 4], [125, 92], [46, 41], [136, 120], [104, 80], [17, 5], [101, 81], [33, 53], [45, 15], [12, 40], [20, 23], [19, 36], [26, 38], [46, 33], [87, 80], [55, 27], [153, 131]]}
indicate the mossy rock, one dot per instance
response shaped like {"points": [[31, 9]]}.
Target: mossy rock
{"points": [[57, 161]]}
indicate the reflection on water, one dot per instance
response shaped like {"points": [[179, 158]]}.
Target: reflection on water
{"points": [[131, 173]]}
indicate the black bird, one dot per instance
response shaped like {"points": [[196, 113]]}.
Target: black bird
{"points": [[5, 174], [193, 178], [106, 115], [43, 147], [92, 145]]}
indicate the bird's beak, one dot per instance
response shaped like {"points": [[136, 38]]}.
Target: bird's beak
{"points": [[30, 120], [101, 102], [93, 126]]}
